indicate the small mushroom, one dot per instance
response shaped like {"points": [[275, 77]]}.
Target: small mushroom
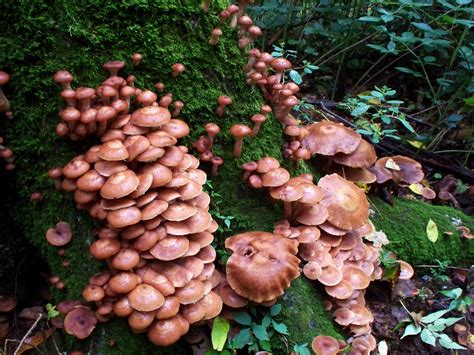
{"points": [[325, 345], [60, 235], [258, 120], [212, 130], [178, 105], [216, 162], [222, 102], [239, 131], [177, 69], [215, 35], [160, 87], [253, 33], [136, 58], [36, 196], [4, 103], [80, 322]]}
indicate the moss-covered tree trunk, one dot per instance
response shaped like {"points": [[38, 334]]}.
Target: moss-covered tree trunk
{"points": [[37, 39]]}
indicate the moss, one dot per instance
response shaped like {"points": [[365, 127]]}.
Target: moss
{"points": [[304, 315], [405, 226]]}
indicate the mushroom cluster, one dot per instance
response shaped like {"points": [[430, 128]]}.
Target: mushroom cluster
{"points": [[204, 147], [156, 239], [248, 32], [328, 222]]}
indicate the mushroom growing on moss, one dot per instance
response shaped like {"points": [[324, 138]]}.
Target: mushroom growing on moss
{"points": [[216, 33], [60, 235], [222, 102], [177, 69], [4, 103], [239, 131]]}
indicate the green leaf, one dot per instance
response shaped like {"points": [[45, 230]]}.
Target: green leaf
{"points": [[220, 329], [422, 26], [243, 318], [446, 322], [391, 46], [387, 18], [430, 318], [275, 310], [376, 94], [360, 109], [429, 59], [369, 19], [454, 293], [409, 71], [242, 339], [260, 332], [447, 343], [266, 321], [394, 102], [411, 329], [296, 77], [301, 349], [428, 337], [463, 2], [406, 124], [265, 345], [280, 327], [378, 47], [432, 231], [52, 312]]}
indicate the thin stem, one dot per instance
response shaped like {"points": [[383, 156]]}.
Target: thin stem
{"points": [[28, 333]]}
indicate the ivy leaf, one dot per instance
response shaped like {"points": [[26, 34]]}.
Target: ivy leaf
{"points": [[242, 339], [430, 318], [446, 322], [275, 310], [220, 329], [428, 337], [411, 329], [243, 318], [454, 293], [260, 332], [280, 327], [296, 77], [432, 231], [447, 343]]}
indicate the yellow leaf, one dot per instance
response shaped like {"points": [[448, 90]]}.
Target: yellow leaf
{"points": [[390, 164], [416, 188], [417, 144], [432, 231]]}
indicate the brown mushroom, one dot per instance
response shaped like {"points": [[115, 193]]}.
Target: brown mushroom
{"points": [[216, 162], [215, 35], [239, 131], [136, 58], [325, 345], [222, 102], [80, 322], [60, 235], [177, 69]]}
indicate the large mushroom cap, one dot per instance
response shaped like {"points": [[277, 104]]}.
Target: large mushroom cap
{"points": [[403, 169], [80, 322], [145, 298], [150, 116], [363, 157], [60, 235], [262, 265], [120, 185], [325, 345], [328, 138], [346, 203]]}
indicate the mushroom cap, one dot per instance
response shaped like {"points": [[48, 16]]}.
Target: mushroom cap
{"points": [[60, 235], [266, 164], [330, 276], [165, 332], [7, 303], [75, 168], [346, 203], [313, 215], [124, 217], [230, 297], [150, 116], [344, 316], [212, 128], [274, 258], [224, 100], [104, 248], [325, 345], [120, 185], [179, 211], [123, 282], [169, 309], [114, 64], [280, 64], [191, 292], [61, 76], [170, 248], [178, 67], [80, 322], [176, 128], [212, 302], [363, 175], [363, 157], [328, 138], [275, 177], [240, 130], [145, 298], [406, 170], [312, 270], [113, 150], [356, 277]]}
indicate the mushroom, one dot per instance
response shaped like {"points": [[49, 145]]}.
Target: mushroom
{"points": [[216, 162], [274, 257], [244, 22], [136, 58], [205, 5], [280, 65], [4, 103], [212, 130], [113, 67], [178, 105], [36, 196], [177, 69], [258, 121], [215, 35], [160, 87], [325, 345], [60, 235], [253, 33], [222, 102], [233, 11], [239, 131], [80, 322]]}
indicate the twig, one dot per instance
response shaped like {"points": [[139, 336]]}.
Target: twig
{"points": [[28, 333], [446, 267]]}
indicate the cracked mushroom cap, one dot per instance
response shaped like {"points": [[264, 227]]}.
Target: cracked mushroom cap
{"points": [[328, 138], [262, 265], [363, 157], [403, 169], [325, 345], [60, 235], [150, 116], [346, 203], [80, 322]]}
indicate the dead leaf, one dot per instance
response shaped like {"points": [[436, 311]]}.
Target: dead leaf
{"points": [[378, 238], [416, 188], [36, 340], [432, 231], [448, 233], [390, 164]]}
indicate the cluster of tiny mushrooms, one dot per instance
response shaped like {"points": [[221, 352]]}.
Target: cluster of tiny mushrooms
{"points": [[157, 231]]}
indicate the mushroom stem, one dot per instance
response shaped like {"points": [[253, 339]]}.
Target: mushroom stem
{"points": [[238, 146], [287, 210], [256, 129]]}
